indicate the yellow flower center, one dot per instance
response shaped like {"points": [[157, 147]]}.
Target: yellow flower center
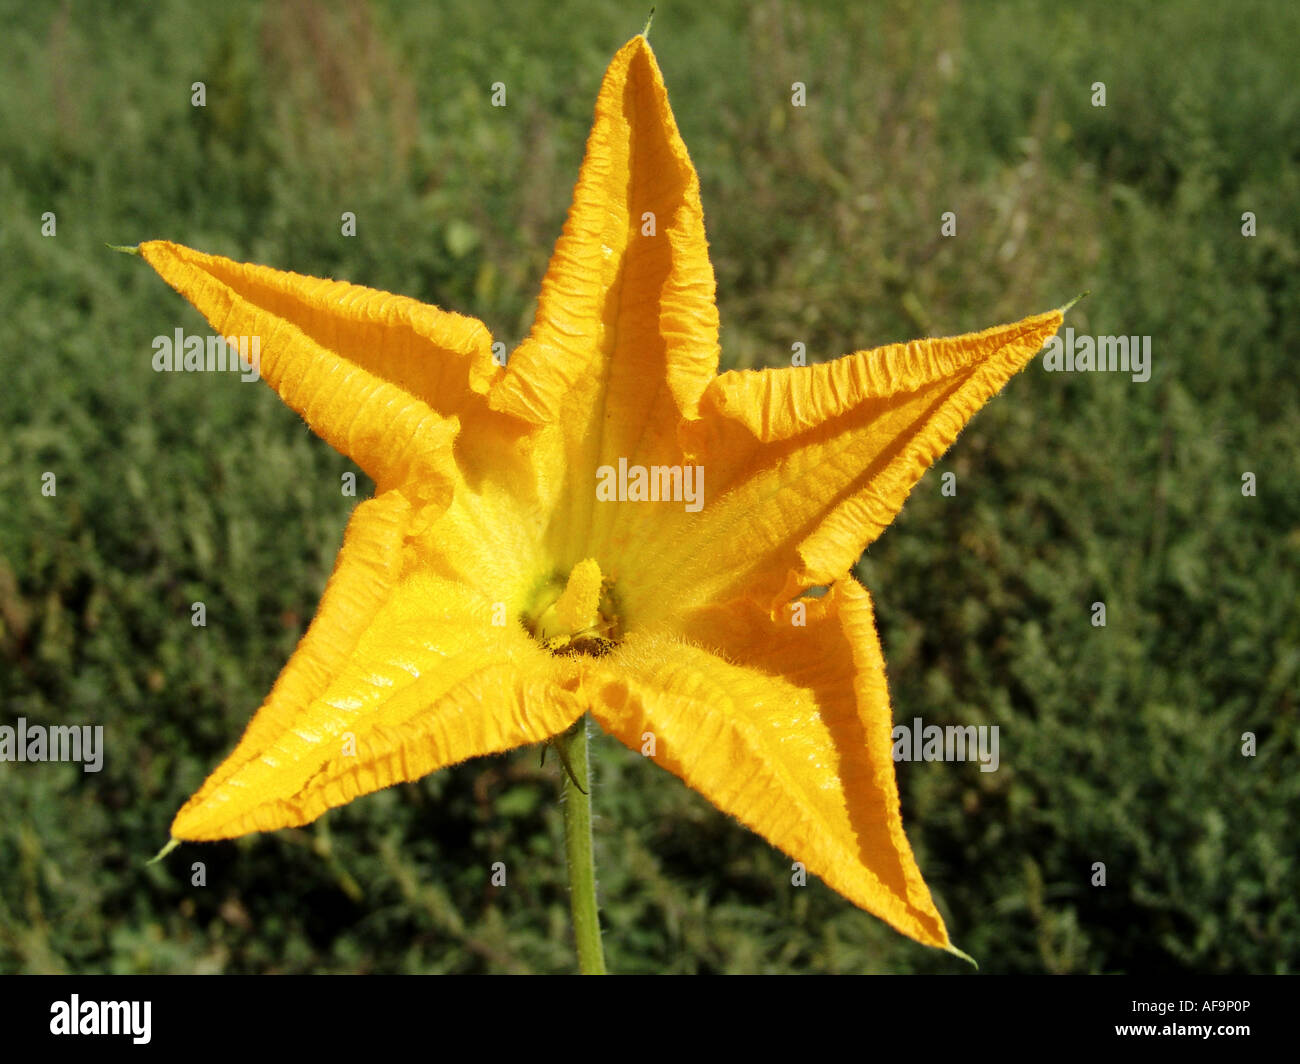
{"points": [[578, 617]]}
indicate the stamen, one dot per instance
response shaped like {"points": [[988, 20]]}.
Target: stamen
{"points": [[578, 609], [579, 620]]}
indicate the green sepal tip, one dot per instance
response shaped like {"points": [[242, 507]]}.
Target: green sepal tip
{"points": [[171, 845], [1075, 300], [950, 948]]}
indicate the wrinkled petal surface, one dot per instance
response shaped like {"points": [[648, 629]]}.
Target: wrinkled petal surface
{"points": [[401, 673], [804, 467], [626, 334], [787, 728]]}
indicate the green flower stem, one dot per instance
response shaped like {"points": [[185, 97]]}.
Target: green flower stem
{"points": [[577, 849]]}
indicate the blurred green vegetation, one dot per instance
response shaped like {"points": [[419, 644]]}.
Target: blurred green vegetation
{"points": [[1119, 745]]}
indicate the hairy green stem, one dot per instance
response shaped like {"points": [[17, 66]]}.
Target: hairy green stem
{"points": [[577, 848]]}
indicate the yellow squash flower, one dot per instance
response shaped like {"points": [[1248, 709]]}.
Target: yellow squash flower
{"points": [[607, 525]]}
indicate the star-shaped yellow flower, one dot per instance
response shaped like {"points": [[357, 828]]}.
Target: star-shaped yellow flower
{"points": [[512, 571]]}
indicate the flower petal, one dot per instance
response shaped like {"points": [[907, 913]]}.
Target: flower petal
{"points": [[807, 466], [400, 674], [381, 378], [786, 728], [626, 334], [365, 572]]}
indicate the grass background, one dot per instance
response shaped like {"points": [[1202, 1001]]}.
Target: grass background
{"points": [[1119, 745]]}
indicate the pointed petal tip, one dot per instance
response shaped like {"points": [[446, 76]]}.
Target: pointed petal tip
{"points": [[172, 843], [190, 825], [645, 33], [125, 249]]}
